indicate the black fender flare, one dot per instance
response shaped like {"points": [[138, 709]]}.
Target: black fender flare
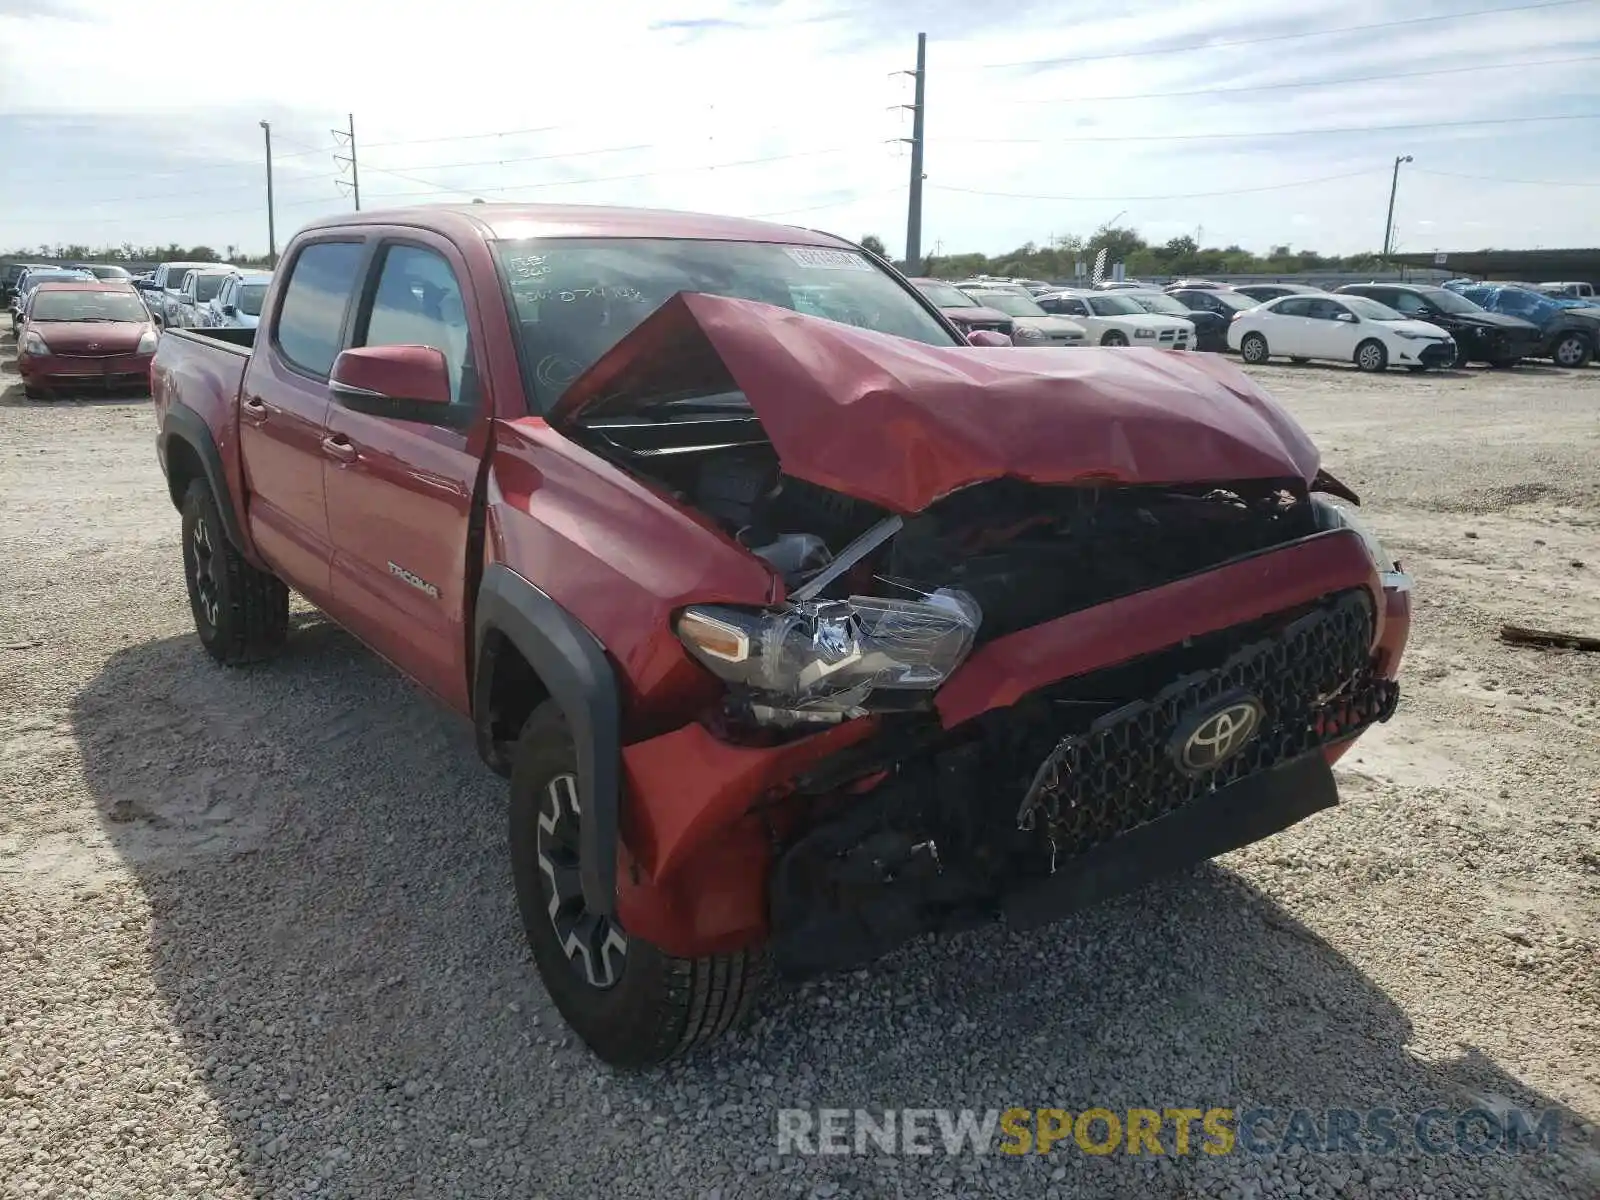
{"points": [[183, 424], [572, 665]]}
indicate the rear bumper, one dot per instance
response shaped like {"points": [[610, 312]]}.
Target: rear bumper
{"points": [[698, 820]]}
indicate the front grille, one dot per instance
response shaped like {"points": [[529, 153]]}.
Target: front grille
{"points": [[1311, 677], [1437, 354]]}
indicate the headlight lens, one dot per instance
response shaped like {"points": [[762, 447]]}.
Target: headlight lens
{"points": [[34, 344], [147, 342], [1144, 333], [827, 656], [1027, 333]]}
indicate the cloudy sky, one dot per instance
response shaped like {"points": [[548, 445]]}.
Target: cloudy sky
{"points": [[1258, 122]]}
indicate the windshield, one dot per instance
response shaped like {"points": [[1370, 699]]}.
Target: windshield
{"points": [[576, 298], [88, 306], [1364, 306], [1009, 303], [107, 272], [1155, 302], [1450, 302], [1114, 306], [1236, 300], [250, 297], [207, 286], [946, 296]]}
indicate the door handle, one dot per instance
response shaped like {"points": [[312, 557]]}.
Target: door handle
{"points": [[254, 408], [338, 446]]}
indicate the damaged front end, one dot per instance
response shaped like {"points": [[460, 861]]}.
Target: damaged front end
{"points": [[1045, 629]]}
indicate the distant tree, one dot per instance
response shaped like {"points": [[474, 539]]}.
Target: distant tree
{"points": [[874, 243], [201, 254]]}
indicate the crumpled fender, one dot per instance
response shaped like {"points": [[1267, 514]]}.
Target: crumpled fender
{"points": [[900, 423]]}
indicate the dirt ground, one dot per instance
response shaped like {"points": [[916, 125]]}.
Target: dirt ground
{"points": [[257, 935]]}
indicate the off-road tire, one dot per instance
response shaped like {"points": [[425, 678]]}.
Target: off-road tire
{"points": [[659, 1006], [245, 617], [1253, 349], [1572, 350], [1114, 337], [1366, 360]]}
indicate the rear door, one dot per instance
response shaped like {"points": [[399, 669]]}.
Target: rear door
{"points": [[400, 491], [284, 406], [1287, 327]]}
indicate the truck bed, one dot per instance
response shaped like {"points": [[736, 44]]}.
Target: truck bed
{"points": [[238, 341]]}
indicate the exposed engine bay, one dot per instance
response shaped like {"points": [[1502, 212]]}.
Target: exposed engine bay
{"points": [[883, 607]]}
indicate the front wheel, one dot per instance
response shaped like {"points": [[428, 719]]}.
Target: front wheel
{"points": [[240, 613], [633, 1004], [1253, 349], [1372, 356], [1573, 350], [1114, 337]]}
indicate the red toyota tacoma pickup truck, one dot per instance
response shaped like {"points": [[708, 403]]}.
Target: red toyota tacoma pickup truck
{"points": [[800, 626]]}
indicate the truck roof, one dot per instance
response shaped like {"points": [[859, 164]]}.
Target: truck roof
{"points": [[517, 221]]}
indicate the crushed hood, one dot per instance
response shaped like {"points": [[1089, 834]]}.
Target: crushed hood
{"points": [[901, 424]]}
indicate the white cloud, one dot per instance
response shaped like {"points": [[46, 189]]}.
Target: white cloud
{"points": [[153, 135]]}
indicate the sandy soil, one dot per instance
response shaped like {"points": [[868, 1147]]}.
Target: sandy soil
{"points": [[258, 936]]}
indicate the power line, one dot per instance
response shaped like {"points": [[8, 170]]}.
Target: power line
{"points": [[1272, 133], [1495, 179], [501, 162], [1273, 187], [1275, 37], [184, 169], [856, 199], [467, 137], [1270, 87]]}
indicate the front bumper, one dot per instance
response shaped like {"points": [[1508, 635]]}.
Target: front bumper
{"points": [[698, 820], [107, 373]]}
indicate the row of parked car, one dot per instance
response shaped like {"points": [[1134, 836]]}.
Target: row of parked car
{"points": [[1373, 325], [96, 325]]}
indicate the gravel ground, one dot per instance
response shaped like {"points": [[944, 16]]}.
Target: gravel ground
{"points": [[259, 937]]}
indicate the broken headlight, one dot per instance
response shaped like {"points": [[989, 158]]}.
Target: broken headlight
{"points": [[821, 659], [1333, 515]]}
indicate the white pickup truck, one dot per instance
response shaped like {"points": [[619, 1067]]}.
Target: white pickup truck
{"points": [[193, 299], [162, 295]]}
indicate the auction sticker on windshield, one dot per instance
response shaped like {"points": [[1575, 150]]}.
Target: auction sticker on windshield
{"points": [[827, 260]]}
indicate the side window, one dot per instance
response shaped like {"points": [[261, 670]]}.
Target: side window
{"points": [[1075, 308], [418, 303], [310, 325], [1328, 310], [1295, 306], [1405, 302]]}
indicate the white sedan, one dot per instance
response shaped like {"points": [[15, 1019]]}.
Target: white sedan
{"points": [[1114, 320], [1342, 328]]}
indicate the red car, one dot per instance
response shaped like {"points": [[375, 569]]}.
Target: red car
{"points": [[800, 626], [965, 313], [76, 335]]}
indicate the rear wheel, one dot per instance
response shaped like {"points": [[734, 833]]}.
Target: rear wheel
{"points": [[240, 613], [1572, 350], [1114, 337], [34, 393], [1372, 356], [1253, 349], [633, 1004]]}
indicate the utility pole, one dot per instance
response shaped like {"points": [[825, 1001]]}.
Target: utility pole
{"points": [[1394, 185], [355, 168], [272, 232], [914, 210]]}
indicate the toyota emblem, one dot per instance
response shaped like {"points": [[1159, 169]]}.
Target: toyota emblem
{"points": [[1218, 734]]}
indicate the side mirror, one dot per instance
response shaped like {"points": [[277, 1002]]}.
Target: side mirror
{"points": [[988, 337], [404, 382], [1348, 318]]}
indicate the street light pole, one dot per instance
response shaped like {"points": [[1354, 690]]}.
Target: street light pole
{"points": [[272, 232], [1394, 184]]}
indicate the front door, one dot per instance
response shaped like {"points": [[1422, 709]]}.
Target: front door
{"points": [[282, 409], [400, 496], [1334, 329]]}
